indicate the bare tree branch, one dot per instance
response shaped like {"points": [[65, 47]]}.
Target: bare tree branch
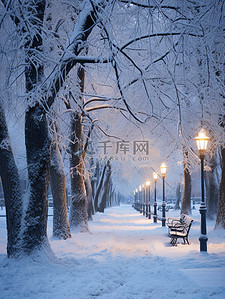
{"points": [[104, 107], [99, 99]]}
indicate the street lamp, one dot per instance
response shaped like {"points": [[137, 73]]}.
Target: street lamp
{"points": [[163, 168], [143, 188], [136, 200], [155, 176], [202, 142], [139, 197], [148, 205]]}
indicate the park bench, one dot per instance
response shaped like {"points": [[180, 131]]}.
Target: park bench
{"points": [[174, 222], [179, 228]]}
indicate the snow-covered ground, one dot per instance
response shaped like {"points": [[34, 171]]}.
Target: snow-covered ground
{"points": [[125, 256]]}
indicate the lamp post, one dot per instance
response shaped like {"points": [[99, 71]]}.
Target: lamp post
{"points": [[139, 197], [202, 142], [148, 205], [143, 188], [163, 168], [155, 176], [136, 200]]}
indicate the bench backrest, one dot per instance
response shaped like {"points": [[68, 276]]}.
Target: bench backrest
{"points": [[185, 219]]}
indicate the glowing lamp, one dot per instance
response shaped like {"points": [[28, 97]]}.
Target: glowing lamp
{"points": [[155, 176], [163, 169], [202, 141]]}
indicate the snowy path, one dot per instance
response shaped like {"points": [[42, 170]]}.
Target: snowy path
{"points": [[124, 256]]}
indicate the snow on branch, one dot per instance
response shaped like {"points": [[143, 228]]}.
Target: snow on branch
{"points": [[103, 107], [86, 22], [153, 6], [99, 99]]}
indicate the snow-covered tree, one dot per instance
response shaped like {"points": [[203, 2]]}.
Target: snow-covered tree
{"points": [[61, 229], [12, 190], [28, 20]]}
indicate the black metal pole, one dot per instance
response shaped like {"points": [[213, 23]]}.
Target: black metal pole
{"points": [[149, 203], [155, 207], [140, 201], [163, 205], [144, 201], [136, 203], [202, 209]]}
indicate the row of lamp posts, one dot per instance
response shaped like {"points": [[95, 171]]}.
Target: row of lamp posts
{"points": [[142, 202]]}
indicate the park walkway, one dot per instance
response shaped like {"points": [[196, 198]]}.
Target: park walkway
{"points": [[124, 256]]}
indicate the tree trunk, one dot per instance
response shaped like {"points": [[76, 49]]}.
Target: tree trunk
{"points": [[61, 229], [94, 181], [178, 197], [11, 188], [78, 217], [88, 188], [186, 200], [212, 187], [99, 189], [220, 219], [38, 162], [105, 187], [110, 192], [37, 142]]}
